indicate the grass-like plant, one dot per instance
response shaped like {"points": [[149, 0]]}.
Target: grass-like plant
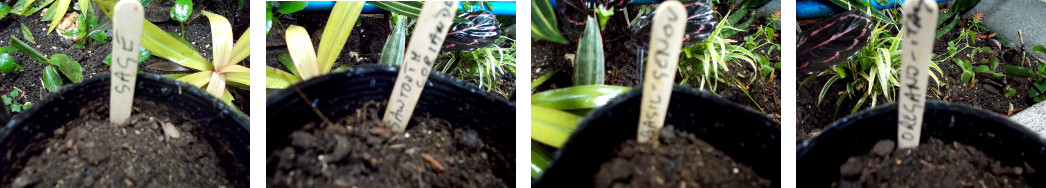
{"points": [[212, 75], [307, 63], [706, 61], [873, 72]]}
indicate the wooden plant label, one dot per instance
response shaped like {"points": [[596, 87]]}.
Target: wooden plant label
{"points": [[432, 26], [127, 35], [666, 39], [920, 19]]}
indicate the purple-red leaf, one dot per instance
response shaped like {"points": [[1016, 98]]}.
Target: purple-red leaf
{"points": [[832, 41], [481, 31], [699, 24]]}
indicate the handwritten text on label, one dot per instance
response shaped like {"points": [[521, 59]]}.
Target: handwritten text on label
{"points": [[432, 26], [666, 40], [917, 40], [127, 33]]}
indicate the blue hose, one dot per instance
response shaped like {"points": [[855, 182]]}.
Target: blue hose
{"points": [[805, 10], [501, 8]]}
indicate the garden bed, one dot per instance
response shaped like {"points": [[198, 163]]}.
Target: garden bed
{"points": [[29, 82], [986, 93]]}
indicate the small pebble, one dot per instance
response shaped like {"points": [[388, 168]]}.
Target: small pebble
{"points": [[303, 140], [883, 148], [851, 168]]}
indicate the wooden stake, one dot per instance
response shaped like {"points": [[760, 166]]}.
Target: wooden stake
{"points": [[920, 19], [127, 36], [432, 26], [666, 40]]}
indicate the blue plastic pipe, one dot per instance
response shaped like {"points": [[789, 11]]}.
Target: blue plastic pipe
{"points": [[805, 10], [501, 8], [633, 2]]}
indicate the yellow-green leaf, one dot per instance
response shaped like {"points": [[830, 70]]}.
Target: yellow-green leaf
{"points": [[239, 77], [198, 79], [221, 37], [300, 47], [51, 79], [164, 45], [551, 126], [60, 7], [242, 48], [276, 78], [339, 25], [216, 84]]}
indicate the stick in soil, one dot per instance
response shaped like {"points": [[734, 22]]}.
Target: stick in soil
{"points": [[433, 161], [314, 109]]}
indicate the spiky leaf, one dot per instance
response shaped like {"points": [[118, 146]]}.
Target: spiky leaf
{"points": [[588, 62], [543, 24], [392, 53], [60, 8]]}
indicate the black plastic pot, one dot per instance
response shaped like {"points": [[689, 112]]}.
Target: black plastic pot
{"points": [[4, 116], [1012, 144], [339, 94], [747, 136], [223, 127]]}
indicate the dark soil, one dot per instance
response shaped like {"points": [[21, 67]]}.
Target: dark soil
{"points": [[932, 164], [678, 160], [623, 67], [154, 150], [363, 46], [197, 32], [361, 152], [986, 92]]}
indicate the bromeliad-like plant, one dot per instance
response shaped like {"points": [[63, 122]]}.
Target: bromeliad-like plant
{"points": [[212, 75], [589, 68], [306, 63]]}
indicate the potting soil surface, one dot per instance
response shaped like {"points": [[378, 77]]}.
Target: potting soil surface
{"points": [[153, 150], [197, 32], [932, 164], [359, 151], [679, 160]]}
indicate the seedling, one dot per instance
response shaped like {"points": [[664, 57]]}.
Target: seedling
{"points": [[180, 12], [51, 79], [11, 99]]}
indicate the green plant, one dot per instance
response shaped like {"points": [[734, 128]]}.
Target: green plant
{"points": [[180, 12], [55, 13], [543, 23], [873, 72], [588, 62], [283, 7], [51, 79], [308, 63], [707, 60], [11, 99], [967, 70], [7, 63], [213, 75], [1037, 91], [486, 66], [392, 52], [4, 10]]}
